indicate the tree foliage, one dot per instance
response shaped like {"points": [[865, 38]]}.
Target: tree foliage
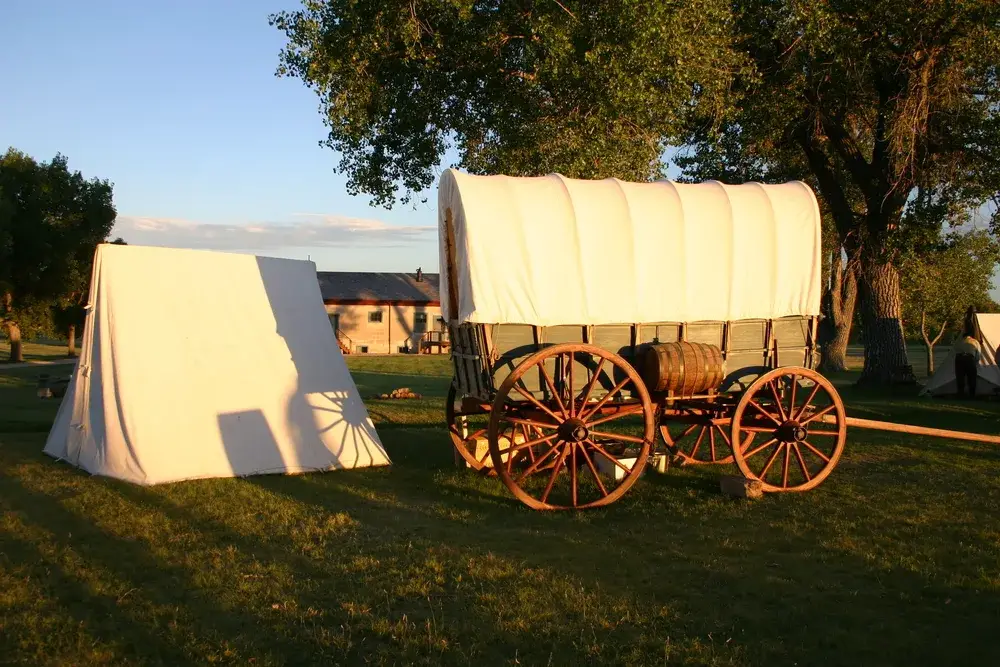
{"points": [[520, 87], [51, 220], [892, 106]]}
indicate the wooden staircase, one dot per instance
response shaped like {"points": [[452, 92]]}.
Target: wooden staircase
{"points": [[345, 342]]}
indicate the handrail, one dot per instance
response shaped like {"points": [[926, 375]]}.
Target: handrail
{"points": [[345, 340]]}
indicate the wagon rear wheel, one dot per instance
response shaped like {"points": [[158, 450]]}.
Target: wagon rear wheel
{"points": [[702, 442], [587, 423], [791, 427]]}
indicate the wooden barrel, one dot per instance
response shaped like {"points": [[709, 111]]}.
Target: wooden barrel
{"points": [[683, 368]]}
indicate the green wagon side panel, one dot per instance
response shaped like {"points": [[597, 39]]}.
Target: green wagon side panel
{"points": [[513, 343], [791, 332], [747, 335], [709, 333]]}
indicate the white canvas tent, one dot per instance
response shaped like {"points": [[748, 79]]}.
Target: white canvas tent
{"points": [[943, 382], [551, 250], [205, 364]]}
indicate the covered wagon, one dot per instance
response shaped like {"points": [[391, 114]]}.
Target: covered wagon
{"points": [[597, 323]]}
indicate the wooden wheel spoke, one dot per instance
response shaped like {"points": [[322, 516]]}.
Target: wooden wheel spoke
{"points": [[817, 415], [531, 443], [763, 412], [833, 433], [826, 459], [572, 472], [593, 471], [533, 468], [552, 387], [711, 440], [617, 436], [529, 422], [569, 391], [637, 410], [697, 443], [600, 404], [791, 402], [777, 400], [761, 448], [605, 454], [725, 437], [774, 456], [590, 385], [808, 402], [758, 429], [784, 474], [537, 404], [555, 473], [802, 463]]}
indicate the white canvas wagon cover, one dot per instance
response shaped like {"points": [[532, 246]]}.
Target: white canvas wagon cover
{"points": [[551, 251]]}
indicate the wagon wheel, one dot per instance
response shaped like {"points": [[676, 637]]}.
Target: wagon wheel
{"points": [[788, 443], [579, 435], [703, 442]]}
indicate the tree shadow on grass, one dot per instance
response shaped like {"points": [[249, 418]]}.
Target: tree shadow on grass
{"points": [[167, 592]]}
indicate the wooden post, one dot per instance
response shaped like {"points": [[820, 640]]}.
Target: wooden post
{"points": [[450, 265]]}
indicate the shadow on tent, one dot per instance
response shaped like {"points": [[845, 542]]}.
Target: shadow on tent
{"points": [[324, 408]]}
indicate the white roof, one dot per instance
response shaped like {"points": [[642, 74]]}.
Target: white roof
{"points": [[551, 250], [251, 382]]}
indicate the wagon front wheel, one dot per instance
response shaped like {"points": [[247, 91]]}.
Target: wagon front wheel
{"points": [[586, 428], [789, 430]]}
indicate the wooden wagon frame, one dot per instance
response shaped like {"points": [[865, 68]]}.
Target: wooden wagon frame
{"points": [[569, 411]]}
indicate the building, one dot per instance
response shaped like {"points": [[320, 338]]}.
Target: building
{"points": [[384, 313]]}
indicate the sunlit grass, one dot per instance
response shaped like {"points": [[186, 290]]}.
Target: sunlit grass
{"points": [[894, 560]]}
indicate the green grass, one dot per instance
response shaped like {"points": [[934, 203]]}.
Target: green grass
{"points": [[36, 351], [894, 560]]}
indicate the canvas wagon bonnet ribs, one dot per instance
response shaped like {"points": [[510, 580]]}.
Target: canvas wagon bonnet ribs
{"points": [[586, 316]]}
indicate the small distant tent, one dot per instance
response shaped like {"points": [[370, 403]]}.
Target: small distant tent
{"points": [[202, 364], [943, 382]]}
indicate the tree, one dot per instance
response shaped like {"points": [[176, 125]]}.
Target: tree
{"points": [[51, 220], [940, 286], [892, 105], [589, 90], [722, 154]]}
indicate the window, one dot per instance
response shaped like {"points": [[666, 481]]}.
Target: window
{"points": [[419, 320], [363, 349], [375, 316]]}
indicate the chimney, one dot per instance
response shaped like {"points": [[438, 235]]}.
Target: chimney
{"points": [[420, 275]]}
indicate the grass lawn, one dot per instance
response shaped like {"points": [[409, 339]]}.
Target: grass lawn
{"points": [[894, 560]]}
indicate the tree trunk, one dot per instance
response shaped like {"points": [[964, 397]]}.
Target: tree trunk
{"points": [[72, 341], [886, 361], [842, 299], [928, 343], [14, 335]]}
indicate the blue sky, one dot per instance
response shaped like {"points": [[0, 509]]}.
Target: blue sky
{"points": [[177, 104]]}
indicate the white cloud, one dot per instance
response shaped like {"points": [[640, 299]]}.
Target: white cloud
{"points": [[315, 230]]}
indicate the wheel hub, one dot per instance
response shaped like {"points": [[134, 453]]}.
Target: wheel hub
{"points": [[573, 430], [792, 431]]}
